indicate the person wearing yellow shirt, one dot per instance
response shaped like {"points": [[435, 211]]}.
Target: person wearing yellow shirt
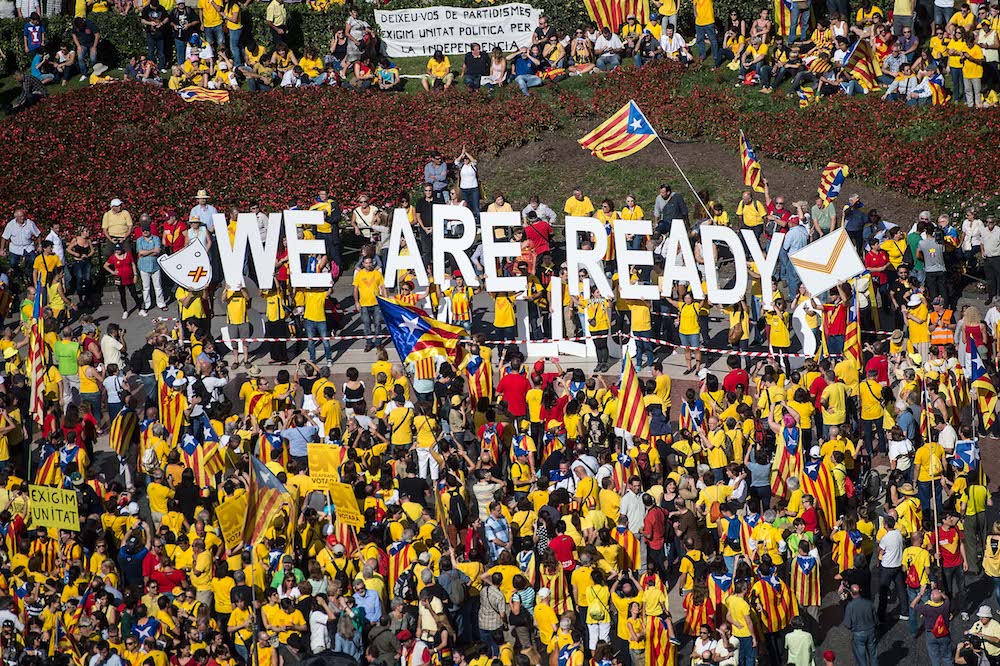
{"points": [[972, 65], [237, 301], [578, 205], [870, 397], [741, 620], [369, 284], [599, 322], [314, 318], [928, 466], [833, 401], [438, 72], [780, 335], [704, 28], [689, 327], [751, 213], [211, 23]]}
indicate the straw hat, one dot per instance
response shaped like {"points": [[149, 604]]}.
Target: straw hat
{"points": [[907, 490]]}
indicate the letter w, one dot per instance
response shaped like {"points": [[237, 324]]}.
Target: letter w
{"points": [[247, 233]]}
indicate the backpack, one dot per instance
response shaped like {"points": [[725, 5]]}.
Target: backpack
{"points": [[341, 574], [699, 566], [642, 461], [759, 432], [406, 585], [912, 578], [597, 431], [458, 510], [940, 628], [849, 489]]}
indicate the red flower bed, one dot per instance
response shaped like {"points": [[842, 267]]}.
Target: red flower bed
{"points": [[67, 158], [945, 153]]}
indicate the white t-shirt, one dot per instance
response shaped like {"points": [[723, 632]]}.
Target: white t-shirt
{"points": [[57, 245], [21, 236], [972, 234], [602, 44], [892, 544], [672, 45], [319, 637], [947, 438], [900, 452], [111, 349], [115, 386], [468, 179]]}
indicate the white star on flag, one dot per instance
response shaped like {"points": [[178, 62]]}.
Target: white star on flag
{"points": [[636, 124], [411, 324]]}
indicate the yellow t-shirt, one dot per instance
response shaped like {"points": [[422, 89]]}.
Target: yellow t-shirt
{"points": [[400, 422], [704, 12], [504, 316], [210, 15], [578, 207], [919, 333], [753, 213], [196, 309], [311, 66], [871, 400], [972, 70], [835, 413], [739, 610], [369, 284], [236, 307], [439, 70], [780, 334], [928, 457], [315, 304], [641, 317], [688, 319]]}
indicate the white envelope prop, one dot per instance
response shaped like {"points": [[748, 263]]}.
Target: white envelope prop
{"points": [[191, 267], [828, 262]]}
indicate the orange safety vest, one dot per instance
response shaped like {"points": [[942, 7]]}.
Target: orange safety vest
{"points": [[946, 337]]}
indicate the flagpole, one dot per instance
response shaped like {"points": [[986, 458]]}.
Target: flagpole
{"points": [[678, 166], [937, 545]]}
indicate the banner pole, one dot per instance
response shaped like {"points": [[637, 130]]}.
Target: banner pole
{"points": [[683, 175]]}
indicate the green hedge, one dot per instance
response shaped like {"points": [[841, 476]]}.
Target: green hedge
{"points": [[123, 35]]}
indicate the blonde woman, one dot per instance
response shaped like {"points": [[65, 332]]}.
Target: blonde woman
{"points": [[974, 331], [498, 69]]}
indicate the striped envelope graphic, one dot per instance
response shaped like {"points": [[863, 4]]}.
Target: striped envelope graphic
{"points": [[830, 261]]}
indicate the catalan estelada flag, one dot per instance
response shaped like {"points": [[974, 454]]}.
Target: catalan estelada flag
{"points": [[401, 556], [783, 17], [631, 550], [267, 498], [751, 166], [806, 580], [817, 480], [480, 374], [417, 336], [196, 94], [124, 432], [789, 457], [774, 601], [626, 132], [862, 64], [852, 338], [632, 415], [36, 357], [659, 649], [982, 386], [612, 13], [939, 94], [806, 96], [831, 182]]}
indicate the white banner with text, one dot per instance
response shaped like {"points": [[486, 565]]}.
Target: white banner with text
{"points": [[422, 30]]}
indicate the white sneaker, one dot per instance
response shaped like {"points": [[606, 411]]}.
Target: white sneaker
{"points": [[143, 313], [83, 77], [125, 315]]}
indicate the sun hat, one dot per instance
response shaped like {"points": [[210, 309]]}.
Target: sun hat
{"points": [[100, 68]]}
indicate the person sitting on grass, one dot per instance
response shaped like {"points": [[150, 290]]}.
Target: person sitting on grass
{"points": [[64, 62], [312, 65], [283, 59], [196, 71], [225, 76], [581, 53], [525, 63], [673, 46], [387, 75], [438, 72], [755, 59], [363, 75], [41, 68], [100, 75]]}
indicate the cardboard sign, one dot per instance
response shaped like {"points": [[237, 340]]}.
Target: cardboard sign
{"points": [[232, 517], [54, 507], [346, 504], [324, 460]]}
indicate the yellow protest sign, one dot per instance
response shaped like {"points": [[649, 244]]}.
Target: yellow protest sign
{"points": [[342, 496], [54, 507], [232, 515], [324, 459]]}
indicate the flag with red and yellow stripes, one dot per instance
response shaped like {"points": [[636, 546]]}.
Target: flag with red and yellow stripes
{"points": [[632, 415], [124, 431], [626, 132], [401, 556], [555, 580], [806, 581], [659, 649], [613, 13], [267, 498], [629, 544], [774, 602], [751, 165], [697, 614], [816, 479], [789, 461]]}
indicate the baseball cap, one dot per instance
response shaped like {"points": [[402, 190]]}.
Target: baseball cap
{"points": [[116, 202]]}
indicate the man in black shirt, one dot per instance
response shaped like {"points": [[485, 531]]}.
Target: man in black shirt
{"points": [[475, 66], [157, 22], [542, 32], [185, 23], [425, 215]]}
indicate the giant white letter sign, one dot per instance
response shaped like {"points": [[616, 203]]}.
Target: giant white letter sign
{"points": [[264, 254], [627, 258], [678, 243], [300, 246], [456, 247], [493, 250], [412, 261], [711, 234], [589, 259], [765, 265]]}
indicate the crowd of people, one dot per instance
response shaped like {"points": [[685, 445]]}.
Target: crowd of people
{"points": [[506, 519], [918, 57]]}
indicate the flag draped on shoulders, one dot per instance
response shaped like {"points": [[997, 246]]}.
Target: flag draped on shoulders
{"points": [[267, 498], [632, 416], [36, 357], [863, 65], [789, 461], [817, 480]]}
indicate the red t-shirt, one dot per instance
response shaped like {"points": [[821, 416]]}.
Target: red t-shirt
{"points": [[880, 364], [558, 411], [784, 213], [653, 527], [877, 258], [835, 319], [514, 388], [816, 390], [565, 548], [951, 546], [123, 267], [736, 377], [167, 580], [176, 231], [811, 519], [154, 228], [539, 233]]}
